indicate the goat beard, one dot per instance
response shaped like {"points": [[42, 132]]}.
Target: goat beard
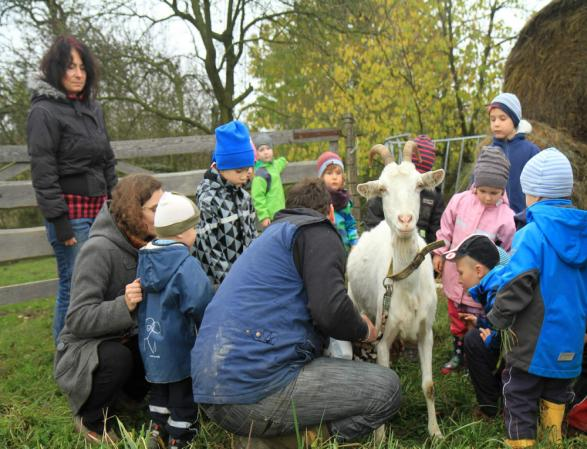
{"points": [[340, 198]]}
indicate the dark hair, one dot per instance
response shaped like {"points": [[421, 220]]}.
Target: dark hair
{"points": [[58, 57], [128, 198], [311, 193], [479, 248]]}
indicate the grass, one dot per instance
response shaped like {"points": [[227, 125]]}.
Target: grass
{"points": [[27, 270], [34, 414]]}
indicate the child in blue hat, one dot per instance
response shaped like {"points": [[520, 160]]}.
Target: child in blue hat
{"points": [[227, 217]]}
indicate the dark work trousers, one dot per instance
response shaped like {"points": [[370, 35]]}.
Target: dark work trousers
{"points": [[120, 368], [172, 407], [521, 396], [483, 371]]}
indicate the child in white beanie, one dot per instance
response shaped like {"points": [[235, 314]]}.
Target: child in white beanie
{"points": [[176, 293], [509, 133], [543, 299]]}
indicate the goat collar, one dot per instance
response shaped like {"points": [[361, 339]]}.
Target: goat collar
{"points": [[413, 265]]}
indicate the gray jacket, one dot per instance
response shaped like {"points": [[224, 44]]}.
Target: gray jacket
{"points": [[97, 311]]}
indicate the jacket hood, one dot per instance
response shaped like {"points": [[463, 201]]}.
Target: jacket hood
{"points": [[284, 213], [158, 262], [105, 226], [38, 88], [564, 227]]}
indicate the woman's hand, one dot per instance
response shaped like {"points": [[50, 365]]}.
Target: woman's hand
{"points": [[133, 294], [70, 242], [438, 263]]}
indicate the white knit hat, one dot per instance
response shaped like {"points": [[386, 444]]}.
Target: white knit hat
{"points": [[175, 214], [548, 175]]}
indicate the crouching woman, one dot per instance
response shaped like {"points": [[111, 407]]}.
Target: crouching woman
{"points": [[98, 355]]}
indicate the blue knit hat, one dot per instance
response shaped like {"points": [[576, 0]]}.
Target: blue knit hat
{"points": [[548, 175], [509, 104], [233, 146]]}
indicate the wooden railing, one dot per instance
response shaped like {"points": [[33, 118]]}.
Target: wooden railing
{"points": [[24, 243]]}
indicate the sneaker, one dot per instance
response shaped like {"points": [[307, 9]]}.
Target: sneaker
{"points": [[92, 437], [452, 365], [157, 437]]}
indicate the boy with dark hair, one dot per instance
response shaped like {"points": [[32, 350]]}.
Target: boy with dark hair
{"points": [[257, 365], [542, 297]]}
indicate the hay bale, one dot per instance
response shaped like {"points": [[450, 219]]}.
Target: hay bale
{"points": [[547, 68]]}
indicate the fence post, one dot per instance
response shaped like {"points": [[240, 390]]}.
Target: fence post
{"points": [[348, 131]]}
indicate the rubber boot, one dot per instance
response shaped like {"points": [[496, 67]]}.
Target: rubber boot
{"points": [[551, 419], [456, 361], [515, 444]]}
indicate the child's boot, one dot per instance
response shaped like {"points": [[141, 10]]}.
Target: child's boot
{"points": [[456, 361], [551, 419], [516, 444]]}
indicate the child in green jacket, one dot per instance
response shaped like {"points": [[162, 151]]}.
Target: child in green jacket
{"points": [[267, 190]]}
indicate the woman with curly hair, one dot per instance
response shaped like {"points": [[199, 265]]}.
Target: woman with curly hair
{"points": [[72, 163], [98, 359]]}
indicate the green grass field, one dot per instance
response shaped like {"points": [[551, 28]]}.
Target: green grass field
{"points": [[34, 414]]}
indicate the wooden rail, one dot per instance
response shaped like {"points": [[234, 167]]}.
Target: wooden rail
{"points": [[24, 243]]}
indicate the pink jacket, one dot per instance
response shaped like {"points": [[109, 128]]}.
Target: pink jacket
{"points": [[465, 215]]}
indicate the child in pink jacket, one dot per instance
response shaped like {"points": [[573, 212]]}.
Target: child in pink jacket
{"points": [[483, 209]]}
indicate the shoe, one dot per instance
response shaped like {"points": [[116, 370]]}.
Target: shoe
{"points": [[519, 444], [109, 437], [551, 419], [480, 415], [175, 443], [157, 437], [290, 441]]}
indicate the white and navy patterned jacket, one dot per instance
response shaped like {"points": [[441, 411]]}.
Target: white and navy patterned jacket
{"points": [[227, 224]]}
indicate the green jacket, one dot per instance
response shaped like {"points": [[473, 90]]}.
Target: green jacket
{"points": [[268, 201]]}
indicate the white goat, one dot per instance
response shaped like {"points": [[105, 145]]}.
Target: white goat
{"points": [[412, 308]]}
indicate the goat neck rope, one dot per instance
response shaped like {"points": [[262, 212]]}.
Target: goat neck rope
{"points": [[389, 280]]}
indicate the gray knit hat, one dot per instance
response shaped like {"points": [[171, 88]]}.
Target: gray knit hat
{"points": [[548, 175], [492, 168], [175, 214], [263, 139]]}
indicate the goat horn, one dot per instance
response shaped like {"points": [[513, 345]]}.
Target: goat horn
{"points": [[382, 151], [409, 148]]}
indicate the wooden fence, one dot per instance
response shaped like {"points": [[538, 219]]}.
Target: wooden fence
{"points": [[24, 243]]}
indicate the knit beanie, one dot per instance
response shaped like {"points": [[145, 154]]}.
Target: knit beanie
{"points": [[548, 175], [233, 146], [263, 139], [427, 154], [509, 104], [492, 168], [326, 159], [175, 214]]}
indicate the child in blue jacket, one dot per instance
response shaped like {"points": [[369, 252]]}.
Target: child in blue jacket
{"points": [[542, 298], [509, 133], [176, 293]]}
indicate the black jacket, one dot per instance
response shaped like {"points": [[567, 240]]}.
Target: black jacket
{"points": [[431, 209], [70, 152]]}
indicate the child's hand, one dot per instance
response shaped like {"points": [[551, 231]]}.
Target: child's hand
{"points": [[469, 319], [484, 333], [133, 294], [438, 263], [265, 223]]}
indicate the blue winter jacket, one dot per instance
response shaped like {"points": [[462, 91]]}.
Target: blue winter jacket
{"points": [[518, 151], [176, 291], [543, 291], [257, 332]]}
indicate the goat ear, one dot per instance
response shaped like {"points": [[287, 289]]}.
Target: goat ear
{"points": [[371, 189], [431, 179]]}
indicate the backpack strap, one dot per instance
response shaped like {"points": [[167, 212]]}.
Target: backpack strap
{"points": [[262, 171]]}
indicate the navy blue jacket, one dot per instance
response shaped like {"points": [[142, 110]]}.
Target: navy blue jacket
{"points": [[543, 291], [176, 291], [272, 314], [518, 151]]}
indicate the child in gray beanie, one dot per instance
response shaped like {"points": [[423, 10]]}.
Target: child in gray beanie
{"points": [[543, 300], [483, 209]]}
